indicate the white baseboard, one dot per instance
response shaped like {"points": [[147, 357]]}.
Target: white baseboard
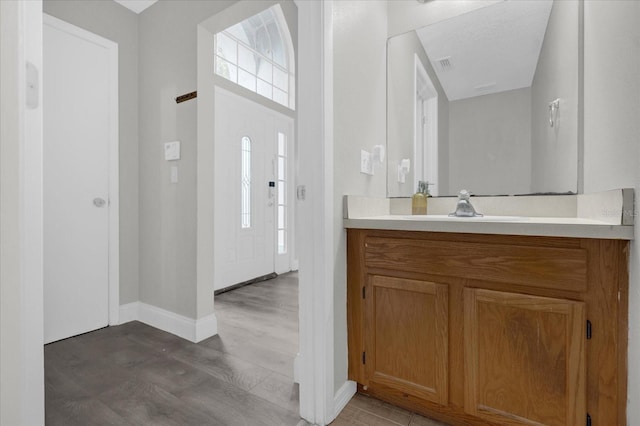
{"points": [[344, 394], [128, 312], [187, 328], [206, 327], [167, 321]]}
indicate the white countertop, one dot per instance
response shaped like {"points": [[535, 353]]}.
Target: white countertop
{"points": [[503, 225]]}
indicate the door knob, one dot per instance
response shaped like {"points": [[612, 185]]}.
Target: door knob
{"points": [[99, 202]]}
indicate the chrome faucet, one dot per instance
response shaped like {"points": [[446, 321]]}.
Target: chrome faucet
{"points": [[464, 207]]}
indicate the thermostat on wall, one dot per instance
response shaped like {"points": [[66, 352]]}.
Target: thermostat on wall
{"points": [[172, 151]]}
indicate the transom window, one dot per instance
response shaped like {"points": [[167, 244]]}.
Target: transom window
{"points": [[257, 54]]}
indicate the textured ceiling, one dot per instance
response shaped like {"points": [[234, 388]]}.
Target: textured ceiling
{"points": [[136, 5], [488, 50]]}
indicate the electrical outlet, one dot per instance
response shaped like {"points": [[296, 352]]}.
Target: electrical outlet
{"points": [[366, 162]]}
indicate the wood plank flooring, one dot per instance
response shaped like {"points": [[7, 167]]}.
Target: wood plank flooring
{"points": [[134, 374], [366, 411]]}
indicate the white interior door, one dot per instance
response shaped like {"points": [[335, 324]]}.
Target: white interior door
{"points": [[78, 134], [246, 199]]}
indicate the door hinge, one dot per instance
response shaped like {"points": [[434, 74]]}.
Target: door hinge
{"points": [[588, 329], [588, 420], [364, 357], [364, 292]]}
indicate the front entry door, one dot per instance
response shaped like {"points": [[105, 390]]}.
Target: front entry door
{"points": [[246, 220], [78, 130]]}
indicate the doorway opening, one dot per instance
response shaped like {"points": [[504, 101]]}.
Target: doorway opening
{"points": [[247, 167], [258, 324]]}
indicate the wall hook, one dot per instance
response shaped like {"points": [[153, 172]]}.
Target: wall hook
{"points": [[553, 111], [186, 97]]}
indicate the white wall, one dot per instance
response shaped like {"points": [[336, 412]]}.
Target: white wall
{"points": [[611, 99], [168, 59], [10, 276], [168, 212], [490, 143], [612, 135], [117, 23], [554, 150], [359, 115], [21, 331], [158, 52]]}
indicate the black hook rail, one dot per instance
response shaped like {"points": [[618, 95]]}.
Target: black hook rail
{"points": [[187, 97]]}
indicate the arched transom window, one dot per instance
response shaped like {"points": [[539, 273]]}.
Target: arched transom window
{"points": [[257, 54]]}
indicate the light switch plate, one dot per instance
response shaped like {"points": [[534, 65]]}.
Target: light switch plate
{"points": [[366, 162], [172, 151], [174, 174], [401, 175]]}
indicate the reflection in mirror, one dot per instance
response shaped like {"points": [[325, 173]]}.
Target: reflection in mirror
{"points": [[486, 101]]}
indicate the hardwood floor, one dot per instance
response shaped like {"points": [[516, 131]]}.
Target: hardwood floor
{"points": [[365, 411], [134, 374]]}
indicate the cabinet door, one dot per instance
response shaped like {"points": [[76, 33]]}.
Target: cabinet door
{"points": [[524, 358], [406, 336]]}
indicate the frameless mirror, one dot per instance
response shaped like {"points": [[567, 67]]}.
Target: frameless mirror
{"points": [[486, 101]]}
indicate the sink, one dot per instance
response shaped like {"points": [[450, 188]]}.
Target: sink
{"points": [[442, 217]]}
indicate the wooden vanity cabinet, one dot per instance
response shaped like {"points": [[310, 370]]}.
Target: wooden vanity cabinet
{"points": [[406, 327], [476, 329], [524, 358]]}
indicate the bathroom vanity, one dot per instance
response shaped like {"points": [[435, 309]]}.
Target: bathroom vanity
{"points": [[526, 325]]}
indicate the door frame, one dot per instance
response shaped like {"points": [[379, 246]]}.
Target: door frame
{"points": [[21, 327], [113, 201], [320, 401]]}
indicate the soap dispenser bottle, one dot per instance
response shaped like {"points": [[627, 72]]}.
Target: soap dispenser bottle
{"points": [[419, 199]]}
